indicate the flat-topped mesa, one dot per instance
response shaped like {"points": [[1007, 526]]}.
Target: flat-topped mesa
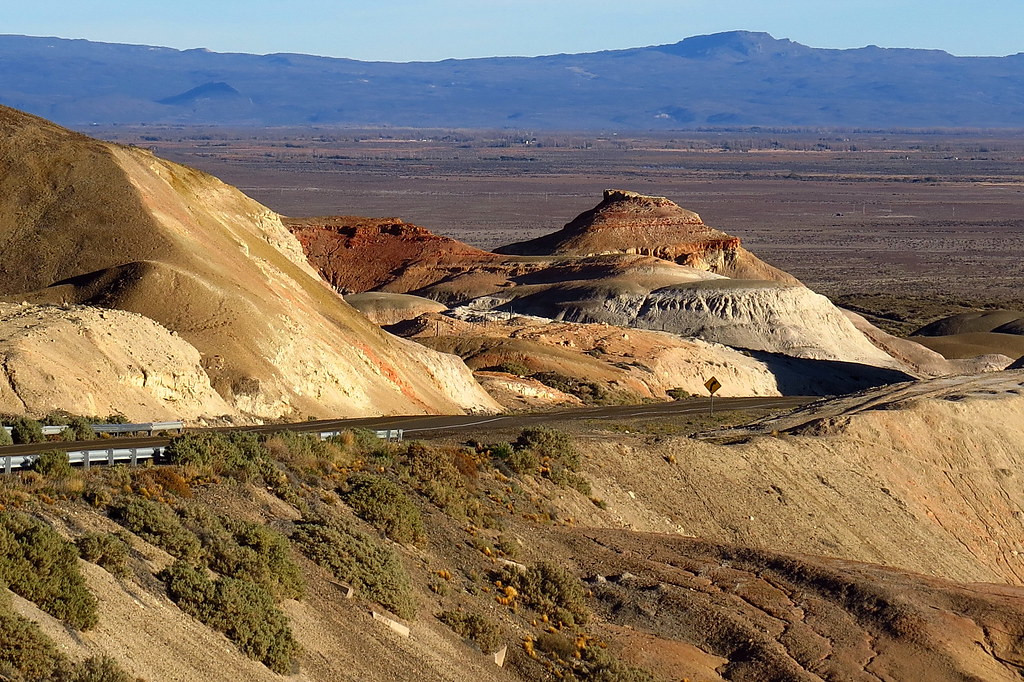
{"points": [[633, 223]]}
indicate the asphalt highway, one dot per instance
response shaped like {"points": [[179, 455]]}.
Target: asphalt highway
{"points": [[429, 426]]}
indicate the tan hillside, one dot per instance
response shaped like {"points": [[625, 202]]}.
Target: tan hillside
{"points": [[873, 536], [82, 221], [92, 361], [633, 223]]}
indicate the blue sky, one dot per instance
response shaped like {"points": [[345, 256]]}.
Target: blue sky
{"points": [[405, 30]]}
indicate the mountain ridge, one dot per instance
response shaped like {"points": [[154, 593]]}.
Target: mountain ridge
{"points": [[737, 78]]}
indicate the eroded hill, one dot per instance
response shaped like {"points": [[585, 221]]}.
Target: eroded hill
{"points": [[86, 222]]}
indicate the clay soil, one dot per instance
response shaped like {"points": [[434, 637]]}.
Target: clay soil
{"points": [[905, 226]]}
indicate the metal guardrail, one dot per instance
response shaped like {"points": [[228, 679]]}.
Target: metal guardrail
{"points": [[110, 456], [86, 458], [390, 435], [149, 427]]}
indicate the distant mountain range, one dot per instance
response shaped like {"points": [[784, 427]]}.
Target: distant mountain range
{"points": [[723, 80]]}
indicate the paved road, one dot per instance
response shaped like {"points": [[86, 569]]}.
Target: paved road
{"points": [[428, 426]]}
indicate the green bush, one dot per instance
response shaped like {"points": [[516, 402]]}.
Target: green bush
{"points": [[157, 523], [243, 611], [107, 550], [53, 464], [99, 669], [26, 654], [481, 630], [358, 559], [678, 393], [247, 551], [385, 506], [551, 590], [597, 665], [41, 566], [25, 430], [237, 453], [550, 444], [5, 438], [79, 428]]}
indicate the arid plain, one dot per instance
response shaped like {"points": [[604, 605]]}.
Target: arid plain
{"points": [[904, 227]]}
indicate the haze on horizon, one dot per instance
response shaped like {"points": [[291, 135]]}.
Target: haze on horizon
{"points": [[429, 30]]}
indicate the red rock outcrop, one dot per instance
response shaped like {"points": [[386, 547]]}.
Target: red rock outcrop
{"points": [[631, 223], [360, 254]]}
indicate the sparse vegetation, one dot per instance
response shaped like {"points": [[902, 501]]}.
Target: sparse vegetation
{"points": [[383, 504], [364, 562], [479, 629], [550, 590], [107, 550], [41, 566], [157, 523], [242, 610]]}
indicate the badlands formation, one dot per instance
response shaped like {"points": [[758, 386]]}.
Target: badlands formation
{"points": [[91, 223], [258, 298], [684, 301]]}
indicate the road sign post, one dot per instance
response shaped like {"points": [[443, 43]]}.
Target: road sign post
{"points": [[712, 385]]}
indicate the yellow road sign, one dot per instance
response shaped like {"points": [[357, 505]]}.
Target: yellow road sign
{"points": [[713, 385]]}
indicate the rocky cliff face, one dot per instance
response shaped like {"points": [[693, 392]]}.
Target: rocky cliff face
{"points": [[632, 223], [82, 221]]}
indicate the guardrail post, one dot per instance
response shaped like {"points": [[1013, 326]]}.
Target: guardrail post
{"points": [[7, 464], [135, 456], [87, 459], [110, 457]]}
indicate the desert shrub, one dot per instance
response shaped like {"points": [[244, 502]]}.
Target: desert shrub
{"points": [[511, 367], [385, 506], [5, 437], [25, 430], [240, 454], [479, 629], [79, 428], [107, 550], [243, 611], [358, 559], [549, 444], [115, 418], [26, 654], [678, 393], [551, 590], [307, 452], [442, 475], [99, 669], [53, 464], [41, 566], [247, 551], [157, 523], [598, 665]]}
